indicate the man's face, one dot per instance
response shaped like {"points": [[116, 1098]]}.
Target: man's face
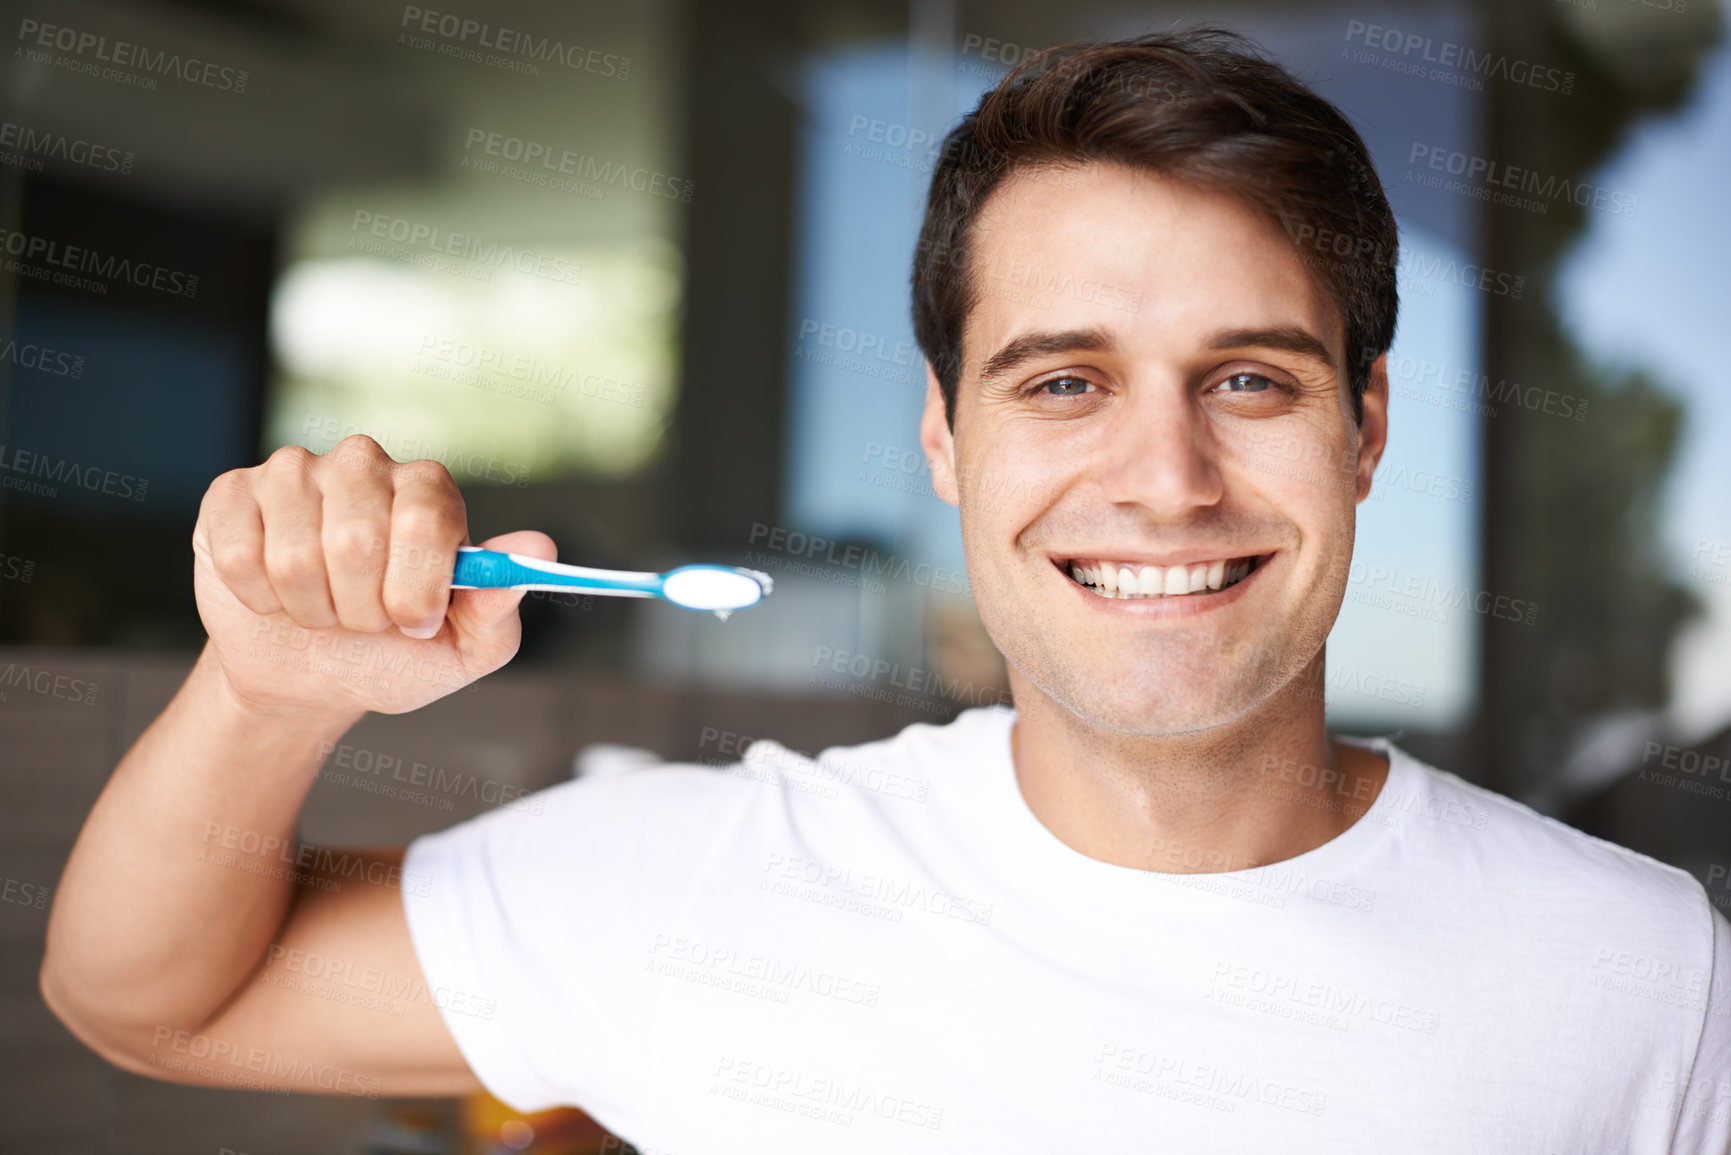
{"points": [[1153, 383]]}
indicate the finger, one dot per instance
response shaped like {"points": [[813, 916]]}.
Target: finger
{"points": [[294, 556], [230, 536], [428, 523], [485, 609], [355, 532]]}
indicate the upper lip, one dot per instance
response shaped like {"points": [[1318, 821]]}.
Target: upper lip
{"points": [[1163, 560]]}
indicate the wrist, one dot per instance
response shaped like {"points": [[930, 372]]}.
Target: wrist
{"points": [[238, 708]]}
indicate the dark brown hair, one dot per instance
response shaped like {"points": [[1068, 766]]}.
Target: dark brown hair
{"points": [[1204, 106]]}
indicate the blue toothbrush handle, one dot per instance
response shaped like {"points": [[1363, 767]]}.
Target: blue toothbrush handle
{"points": [[491, 569], [488, 569]]}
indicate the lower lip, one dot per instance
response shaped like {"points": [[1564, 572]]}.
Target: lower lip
{"points": [[1178, 606]]}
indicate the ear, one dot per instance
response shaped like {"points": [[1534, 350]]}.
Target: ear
{"points": [[1373, 430], [938, 441]]}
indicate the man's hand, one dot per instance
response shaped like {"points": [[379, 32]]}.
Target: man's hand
{"points": [[324, 583]]}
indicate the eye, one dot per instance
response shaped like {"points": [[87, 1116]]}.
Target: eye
{"points": [[1067, 386], [1245, 383]]}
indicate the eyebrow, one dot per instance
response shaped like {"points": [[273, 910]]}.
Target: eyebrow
{"points": [[1044, 341], [1290, 338], [1040, 343]]}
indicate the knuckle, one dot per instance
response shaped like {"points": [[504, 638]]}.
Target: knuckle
{"points": [[425, 473], [359, 449], [429, 521], [294, 561], [410, 601], [362, 619], [353, 540], [288, 457], [232, 558]]}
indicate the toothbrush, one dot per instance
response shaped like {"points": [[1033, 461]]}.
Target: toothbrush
{"points": [[717, 589]]}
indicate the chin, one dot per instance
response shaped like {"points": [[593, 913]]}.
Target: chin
{"points": [[1162, 704], [1145, 719]]}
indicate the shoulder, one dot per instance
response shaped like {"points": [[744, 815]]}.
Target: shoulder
{"points": [[905, 767], [1502, 850], [751, 789]]}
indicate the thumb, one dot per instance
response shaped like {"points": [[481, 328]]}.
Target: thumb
{"points": [[483, 610]]}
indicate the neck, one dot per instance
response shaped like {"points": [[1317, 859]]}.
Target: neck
{"points": [[1262, 789]]}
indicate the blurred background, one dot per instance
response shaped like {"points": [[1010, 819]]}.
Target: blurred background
{"points": [[637, 274]]}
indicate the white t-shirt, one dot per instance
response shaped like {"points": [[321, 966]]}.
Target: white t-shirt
{"points": [[884, 950]]}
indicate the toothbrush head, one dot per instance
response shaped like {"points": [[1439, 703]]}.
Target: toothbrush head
{"points": [[715, 588]]}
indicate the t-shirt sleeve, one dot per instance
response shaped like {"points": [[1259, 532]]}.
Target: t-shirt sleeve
{"points": [[1704, 1115], [531, 923]]}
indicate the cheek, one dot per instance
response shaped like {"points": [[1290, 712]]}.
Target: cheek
{"points": [[1010, 481], [1310, 473]]}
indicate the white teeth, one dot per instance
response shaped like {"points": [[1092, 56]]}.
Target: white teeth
{"points": [[1112, 580]]}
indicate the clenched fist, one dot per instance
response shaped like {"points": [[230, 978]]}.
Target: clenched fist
{"points": [[324, 582]]}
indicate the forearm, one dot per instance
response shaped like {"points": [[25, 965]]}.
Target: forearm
{"points": [[186, 866]]}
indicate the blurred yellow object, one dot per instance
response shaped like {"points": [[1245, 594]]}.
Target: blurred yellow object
{"points": [[492, 1128]]}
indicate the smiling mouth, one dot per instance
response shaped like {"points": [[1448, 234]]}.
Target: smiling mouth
{"points": [[1115, 579]]}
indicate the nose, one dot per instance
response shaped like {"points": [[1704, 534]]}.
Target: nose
{"points": [[1161, 454]]}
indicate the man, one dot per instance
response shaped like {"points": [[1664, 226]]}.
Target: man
{"points": [[1154, 905]]}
